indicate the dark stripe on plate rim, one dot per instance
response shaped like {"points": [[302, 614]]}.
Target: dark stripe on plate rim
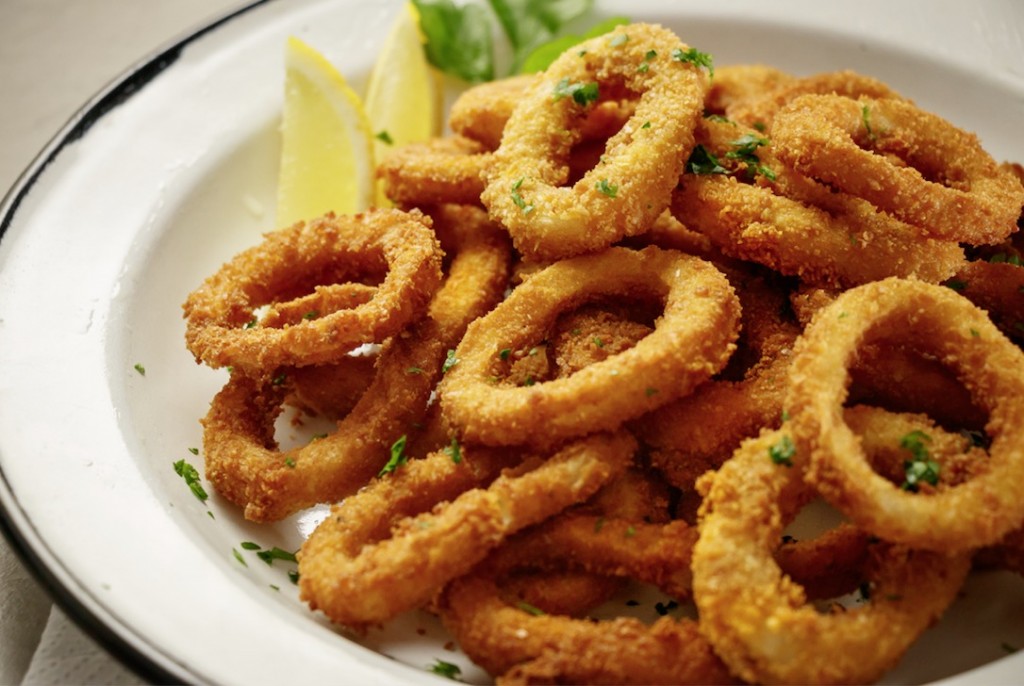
{"points": [[134, 651]]}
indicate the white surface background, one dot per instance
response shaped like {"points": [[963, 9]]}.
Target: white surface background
{"points": [[54, 56]]}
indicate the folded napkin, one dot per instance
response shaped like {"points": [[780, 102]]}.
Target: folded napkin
{"points": [[39, 644]]}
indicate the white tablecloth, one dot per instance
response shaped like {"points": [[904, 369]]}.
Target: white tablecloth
{"points": [[54, 55]]}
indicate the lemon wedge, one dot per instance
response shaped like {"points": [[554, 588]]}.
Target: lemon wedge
{"points": [[404, 93], [327, 158]]}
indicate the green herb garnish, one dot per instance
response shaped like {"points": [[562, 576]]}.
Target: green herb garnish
{"points": [[276, 553], [518, 199], [696, 57], [191, 476], [454, 450], [702, 162], [582, 93], [921, 468], [782, 451], [398, 457], [446, 669], [385, 137], [449, 361], [609, 189]]}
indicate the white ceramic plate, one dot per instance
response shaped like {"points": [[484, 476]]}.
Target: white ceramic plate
{"points": [[171, 171]]}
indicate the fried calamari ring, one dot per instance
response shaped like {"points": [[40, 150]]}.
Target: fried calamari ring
{"points": [[932, 320], [887, 374], [331, 390], [521, 646], [799, 227], [760, 111], [997, 287], [691, 341], [441, 170], [947, 185], [481, 112], [632, 186], [219, 313], [736, 85], [757, 618], [357, 579], [699, 431], [243, 461]]}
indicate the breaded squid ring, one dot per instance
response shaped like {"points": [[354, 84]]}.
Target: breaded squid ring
{"points": [[358, 579], [626, 192], [243, 461], [441, 170], [736, 85], [520, 646], [220, 312], [800, 228], [934, 320], [691, 341], [949, 188], [481, 112], [758, 619], [760, 111]]}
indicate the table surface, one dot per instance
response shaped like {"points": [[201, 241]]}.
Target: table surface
{"points": [[54, 56]]}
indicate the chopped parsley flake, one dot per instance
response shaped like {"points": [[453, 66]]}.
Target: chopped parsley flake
{"points": [[194, 451], [702, 161], [598, 342], [289, 462], [518, 199], [249, 545], [312, 314], [532, 609], [454, 450], [445, 669], [956, 284], [865, 115], [695, 57], [251, 324], [414, 370], [782, 451], [582, 93], [449, 361], [279, 379], [529, 381], [191, 476], [745, 151], [385, 138], [921, 467], [609, 189], [293, 576], [398, 457], [238, 556], [140, 369], [504, 353], [276, 553]]}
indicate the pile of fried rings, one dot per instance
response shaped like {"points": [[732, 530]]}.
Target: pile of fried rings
{"points": [[632, 317]]}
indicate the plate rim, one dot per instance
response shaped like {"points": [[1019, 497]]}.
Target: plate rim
{"points": [[131, 648]]}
